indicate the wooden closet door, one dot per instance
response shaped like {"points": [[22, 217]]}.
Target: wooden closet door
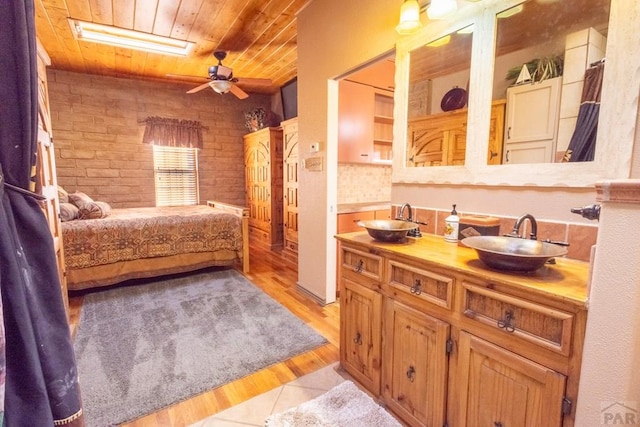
{"points": [[290, 141]]}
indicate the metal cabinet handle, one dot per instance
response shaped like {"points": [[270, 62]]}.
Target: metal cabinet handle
{"points": [[416, 289], [497, 424], [358, 268], [411, 373], [357, 339], [506, 323]]}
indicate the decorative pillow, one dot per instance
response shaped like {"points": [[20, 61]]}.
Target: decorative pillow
{"points": [[78, 198], [68, 211], [63, 196], [94, 210]]}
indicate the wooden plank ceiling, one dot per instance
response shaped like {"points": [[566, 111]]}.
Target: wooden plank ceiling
{"points": [[259, 36]]}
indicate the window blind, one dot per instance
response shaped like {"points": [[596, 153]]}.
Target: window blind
{"points": [[176, 175]]}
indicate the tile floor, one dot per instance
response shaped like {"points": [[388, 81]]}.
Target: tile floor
{"points": [[253, 412]]}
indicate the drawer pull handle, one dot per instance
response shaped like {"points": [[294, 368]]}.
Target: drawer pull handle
{"points": [[497, 424], [411, 373], [506, 323], [358, 339], [358, 268], [417, 287]]}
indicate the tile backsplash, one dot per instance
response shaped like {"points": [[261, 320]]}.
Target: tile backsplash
{"points": [[361, 183]]}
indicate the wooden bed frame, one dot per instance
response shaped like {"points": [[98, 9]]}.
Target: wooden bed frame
{"points": [[109, 274]]}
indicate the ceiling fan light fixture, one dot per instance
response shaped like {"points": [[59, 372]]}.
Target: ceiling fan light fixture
{"points": [[409, 18], [439, 9], [221, 86], [120, 37]]}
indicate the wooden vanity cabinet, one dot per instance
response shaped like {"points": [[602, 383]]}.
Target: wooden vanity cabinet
{"points": [[462, 346]]}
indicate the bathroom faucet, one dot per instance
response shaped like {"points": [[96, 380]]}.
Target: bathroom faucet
{"points": [[415, 232], [533, 235], [402, 208]]}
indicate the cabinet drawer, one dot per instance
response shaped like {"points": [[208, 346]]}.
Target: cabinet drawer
{"points": [[358, 264], [424, 284], [544, 326]]}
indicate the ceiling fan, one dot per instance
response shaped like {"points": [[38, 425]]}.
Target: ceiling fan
{"points": [[221, 79]]}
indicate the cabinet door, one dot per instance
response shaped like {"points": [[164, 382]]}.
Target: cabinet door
{"points": [[360, 333], [532, 117], [416, 365], [500, 388], [290, 179], [355, 123], [258, 182]]}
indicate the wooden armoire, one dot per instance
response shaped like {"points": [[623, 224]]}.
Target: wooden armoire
{"points": [[46, 183], [290, 186], [263, 186]]}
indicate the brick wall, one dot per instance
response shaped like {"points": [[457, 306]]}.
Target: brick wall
{"points": [[98, 140]]}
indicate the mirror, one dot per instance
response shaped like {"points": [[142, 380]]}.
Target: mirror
{"points": [[438, 88], [543, 51], [617, 122]]}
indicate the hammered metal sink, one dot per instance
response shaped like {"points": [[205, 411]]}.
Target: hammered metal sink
{"points": [[513, 253], [388, 230]]}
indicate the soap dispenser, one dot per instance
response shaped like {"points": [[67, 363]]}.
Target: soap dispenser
{"points": [[451, 227]]}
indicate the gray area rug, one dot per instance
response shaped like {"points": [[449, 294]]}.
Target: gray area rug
{"points": [[143, 347], [345, 405]]}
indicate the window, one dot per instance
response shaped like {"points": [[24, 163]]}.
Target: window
{"points": [[176, 175]]}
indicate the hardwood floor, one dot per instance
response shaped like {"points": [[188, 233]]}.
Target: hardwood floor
{"points": [[277, 277]]}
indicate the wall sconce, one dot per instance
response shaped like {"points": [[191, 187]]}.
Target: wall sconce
{"points": [[409, 18], [438, 9]]}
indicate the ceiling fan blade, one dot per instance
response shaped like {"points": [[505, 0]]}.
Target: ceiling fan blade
{"points": [[238, 92], [199, 88]]}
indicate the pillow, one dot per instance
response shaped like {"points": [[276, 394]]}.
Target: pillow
{"points": [[94, 210], [68, 211], [63, 196], [79, 199]]}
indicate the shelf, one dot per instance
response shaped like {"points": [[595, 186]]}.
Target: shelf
{"points": [[383, 119]]}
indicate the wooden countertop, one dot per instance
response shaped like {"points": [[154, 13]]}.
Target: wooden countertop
{"points": [[566, 280]]}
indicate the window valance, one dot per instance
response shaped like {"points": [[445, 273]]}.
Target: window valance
{"points": [[169, 132]]}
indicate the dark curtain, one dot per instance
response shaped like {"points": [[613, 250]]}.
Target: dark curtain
{"points": [[41, 381], [582, 146], [172, 132]]}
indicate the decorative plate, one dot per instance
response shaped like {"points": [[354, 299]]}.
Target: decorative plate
{"points": [[454, 99]]}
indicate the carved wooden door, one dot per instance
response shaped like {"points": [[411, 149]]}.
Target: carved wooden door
{"points": [[360, 324], [500, 388], [416, 364], [290, 179]]}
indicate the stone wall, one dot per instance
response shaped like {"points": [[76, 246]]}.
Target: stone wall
{"points": [[98, 139]]}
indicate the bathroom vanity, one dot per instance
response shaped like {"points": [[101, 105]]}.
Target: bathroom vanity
{"points": [[441, 339]]}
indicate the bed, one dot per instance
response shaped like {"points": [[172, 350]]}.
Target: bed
{"points": [[147, 242]]}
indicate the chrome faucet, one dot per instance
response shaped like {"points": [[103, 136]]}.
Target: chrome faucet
{"points": [[402, 208], [533, 235]]}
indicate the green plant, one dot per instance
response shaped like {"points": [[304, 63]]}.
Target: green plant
{"points": [[540, 69]]}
